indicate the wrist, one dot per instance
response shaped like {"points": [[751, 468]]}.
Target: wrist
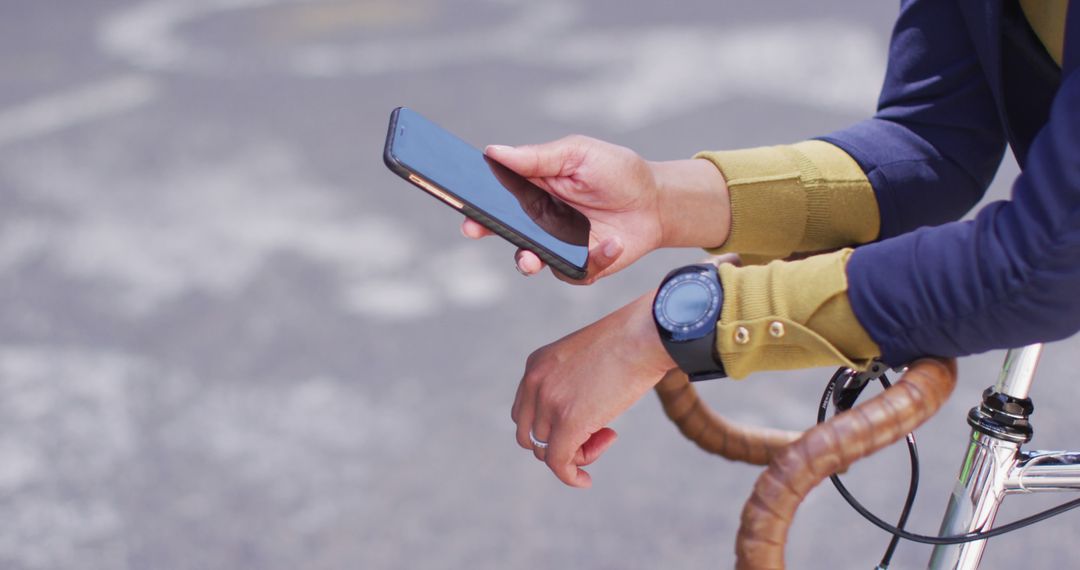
{"points": [[693, 202], [642, 343]]}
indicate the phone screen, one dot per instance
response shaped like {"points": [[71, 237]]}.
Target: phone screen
{"points": [[430, 151]]}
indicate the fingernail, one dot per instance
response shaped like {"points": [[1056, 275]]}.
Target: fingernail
{"points": [[498, 148]]}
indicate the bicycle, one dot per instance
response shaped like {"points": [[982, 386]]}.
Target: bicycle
{"points": [[994, 464]]}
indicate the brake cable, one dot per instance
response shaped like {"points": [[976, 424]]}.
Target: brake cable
{"points": [[845, 399]]}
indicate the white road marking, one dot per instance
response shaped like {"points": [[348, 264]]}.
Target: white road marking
{"points": [[656, 74], [393, 299], [634, 78], [205, 217], [50, 114], [468, 276], [463, 276], [84, 408], [63, 407], [209, 215], [622, 79], [531, 30], [147, 34]]}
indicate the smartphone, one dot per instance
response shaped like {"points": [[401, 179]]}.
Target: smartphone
{"points": [[501, 200]]}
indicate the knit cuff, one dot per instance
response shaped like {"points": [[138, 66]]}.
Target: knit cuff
{"points": [[810, 196], [788, 315]]}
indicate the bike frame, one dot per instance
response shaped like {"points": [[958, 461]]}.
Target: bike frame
{"points": [[995, 466]]}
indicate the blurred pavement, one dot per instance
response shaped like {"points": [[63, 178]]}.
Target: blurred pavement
{"points": [[231, 339]]}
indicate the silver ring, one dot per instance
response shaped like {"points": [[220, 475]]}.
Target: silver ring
{"points": [[536, 442]]}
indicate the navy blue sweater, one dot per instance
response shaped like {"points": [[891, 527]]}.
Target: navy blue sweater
{"points": [[959, 86]]}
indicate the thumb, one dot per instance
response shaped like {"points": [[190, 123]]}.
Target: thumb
{"points": [[557, 158], [601, 258]]}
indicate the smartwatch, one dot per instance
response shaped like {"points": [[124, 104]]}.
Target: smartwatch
{"points": [[685, 310]]}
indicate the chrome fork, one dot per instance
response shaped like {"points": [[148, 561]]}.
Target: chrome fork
{"points": [[995, 466]]}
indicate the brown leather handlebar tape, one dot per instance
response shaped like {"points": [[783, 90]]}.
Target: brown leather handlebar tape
{"points": [[831, 447], [711, 432]]}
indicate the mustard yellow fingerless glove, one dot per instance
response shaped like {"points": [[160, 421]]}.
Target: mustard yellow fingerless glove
{"points": [[806, 197], [790, 314]]}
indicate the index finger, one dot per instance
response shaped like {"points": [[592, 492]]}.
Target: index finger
{"points": [[595, 446], [539, 160], [472, 229]]}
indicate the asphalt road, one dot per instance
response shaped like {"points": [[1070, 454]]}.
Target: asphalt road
{"points": [[231, 339]]}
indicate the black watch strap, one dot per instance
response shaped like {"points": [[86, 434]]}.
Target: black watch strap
{"points": [[698, 358]]}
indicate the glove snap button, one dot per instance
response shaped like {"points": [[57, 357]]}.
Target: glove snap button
{"points": [[742, 335], [776, 329]]}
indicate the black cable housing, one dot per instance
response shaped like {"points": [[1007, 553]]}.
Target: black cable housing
{"points": [[897, 531], [913, 454]]}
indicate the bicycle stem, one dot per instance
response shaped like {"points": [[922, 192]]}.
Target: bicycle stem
{"points": [[1018, 373], [993, 465]]}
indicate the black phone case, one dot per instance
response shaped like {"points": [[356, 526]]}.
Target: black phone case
{"points": [[493, 224]]}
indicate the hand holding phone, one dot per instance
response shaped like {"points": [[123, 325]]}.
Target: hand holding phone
{"points": [[612, 185], [501, 200], [620, 195]]}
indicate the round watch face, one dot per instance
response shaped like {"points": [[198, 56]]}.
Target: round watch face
{"points": [[687, 305]]}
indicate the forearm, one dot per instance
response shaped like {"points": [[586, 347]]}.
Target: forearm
{"points": [[769, 201], [936, 140], [925, 158], [806, 197], [1007, 278], [779, 316]]}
